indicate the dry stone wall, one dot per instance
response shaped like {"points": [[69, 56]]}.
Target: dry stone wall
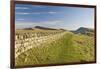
{"points": [[25, 41]]}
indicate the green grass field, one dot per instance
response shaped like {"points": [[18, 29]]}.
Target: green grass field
{"points": [[68, 49]]}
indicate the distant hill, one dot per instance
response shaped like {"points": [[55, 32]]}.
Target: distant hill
{"points": [[28, 29], [44, 28], [41, 28], [85, 31]]}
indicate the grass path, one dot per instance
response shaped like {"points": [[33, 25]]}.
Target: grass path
{"points": [[68, 48]]}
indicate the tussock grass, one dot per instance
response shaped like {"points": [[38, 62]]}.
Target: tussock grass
{"points": [[68, 49]]}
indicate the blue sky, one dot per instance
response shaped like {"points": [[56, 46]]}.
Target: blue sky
{"points": [[70, 18]]}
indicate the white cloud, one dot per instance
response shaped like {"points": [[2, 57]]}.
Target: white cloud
{"points": [[21, 13], [21, 8], [25, 13], [52, 12], [43, 12], [22, 25], [53, 22]]}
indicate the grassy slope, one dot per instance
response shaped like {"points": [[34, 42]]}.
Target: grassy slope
{"points": [[69, 48]]}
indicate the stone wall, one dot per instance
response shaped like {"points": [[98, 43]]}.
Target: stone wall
{"points": [[27, 40]]}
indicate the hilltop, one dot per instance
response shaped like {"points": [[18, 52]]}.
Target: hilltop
{"points": [[85, 31]]}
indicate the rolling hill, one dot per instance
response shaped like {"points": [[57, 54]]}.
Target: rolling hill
{"points": [[85, 31]]}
